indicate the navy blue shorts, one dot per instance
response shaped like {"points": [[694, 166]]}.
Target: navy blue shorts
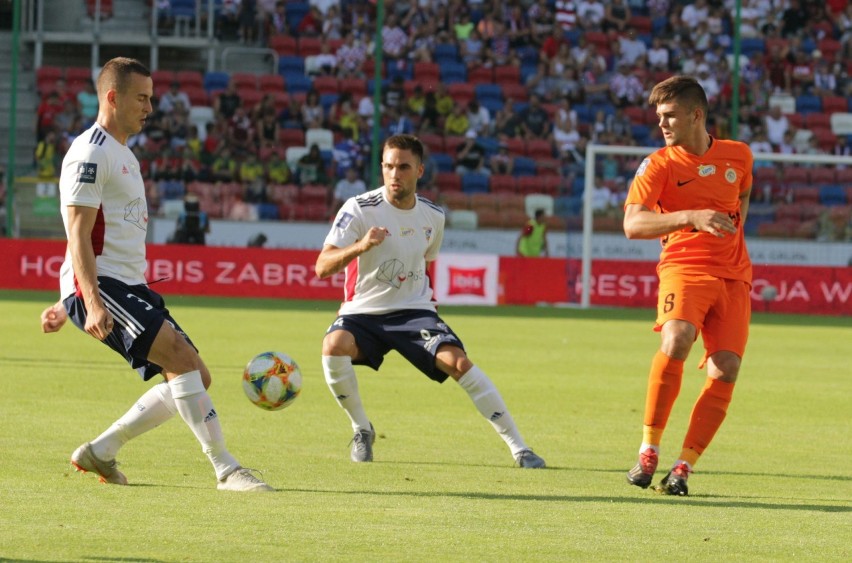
{"points": [[415, 334], [138, 312]]}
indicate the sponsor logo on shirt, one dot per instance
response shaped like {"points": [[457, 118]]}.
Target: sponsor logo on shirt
{"points": [[705, 170], [343, 220], [406, 232], [467, 281], [731, 175], [428, 232], [124, 170], [87, 172], [641, 170]]}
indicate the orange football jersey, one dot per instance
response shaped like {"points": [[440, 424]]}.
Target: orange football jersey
{"points": [[672, 179]]}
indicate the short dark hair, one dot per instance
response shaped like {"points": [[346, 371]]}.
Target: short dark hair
{"points": [[405, 142], [680, 89], [115, 74]]}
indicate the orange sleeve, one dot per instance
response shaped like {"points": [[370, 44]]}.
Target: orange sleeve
{"points": [[648, 183]]}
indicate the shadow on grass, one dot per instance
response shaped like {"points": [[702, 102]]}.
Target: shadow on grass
{"points": [[88, 558], [694, 500], [741, 473]]}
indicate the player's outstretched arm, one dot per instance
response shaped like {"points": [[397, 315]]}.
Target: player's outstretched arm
{"points": [[642, 223], [333, 259], [53, 318]]}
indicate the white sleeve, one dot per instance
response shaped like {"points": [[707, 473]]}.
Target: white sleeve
{"points": [[85, 172], [348, 226], [437, 238]]}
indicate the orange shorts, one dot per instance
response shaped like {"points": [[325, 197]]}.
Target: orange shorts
{"points": [[720, 309]]}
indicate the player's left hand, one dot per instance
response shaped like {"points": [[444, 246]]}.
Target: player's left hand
{"points": [[53, 318]]}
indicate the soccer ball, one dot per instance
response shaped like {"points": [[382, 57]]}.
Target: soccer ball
{"points": [[272, 380]]}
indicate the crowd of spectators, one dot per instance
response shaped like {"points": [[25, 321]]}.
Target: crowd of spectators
{"points": [[584, 69]]}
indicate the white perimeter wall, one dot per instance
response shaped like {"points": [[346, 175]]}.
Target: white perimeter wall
{"points": [[614, 246]]}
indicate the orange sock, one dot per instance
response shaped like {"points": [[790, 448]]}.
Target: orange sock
{"points": [[663, 387], [707, 416]]}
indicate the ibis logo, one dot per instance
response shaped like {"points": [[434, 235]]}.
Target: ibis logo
{"points": [[467, 281]]}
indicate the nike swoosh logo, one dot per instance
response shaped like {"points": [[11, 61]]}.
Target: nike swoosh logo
{"points": [[683, 183]]}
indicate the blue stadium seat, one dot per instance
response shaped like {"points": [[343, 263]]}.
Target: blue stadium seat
{"points": [[298, 83], [291, 64], [528, 54], [452, 73], [489, 144], [523, 166], [444, 162], [267, 212], [294, 12], [405, 69], [216, 81], [832, 194], [488, 91], [527, 70], [328, 100], [446, 52], [474, 182], [493, 105], [751, 45], [808, 103]]}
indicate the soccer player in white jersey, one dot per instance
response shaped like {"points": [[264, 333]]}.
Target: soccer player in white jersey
{"points": [[384, 240], [103, 288]]}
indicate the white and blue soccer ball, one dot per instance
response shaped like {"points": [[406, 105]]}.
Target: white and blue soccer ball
{"points": [[272, 380]]}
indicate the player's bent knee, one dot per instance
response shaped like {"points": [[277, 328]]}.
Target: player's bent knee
{"points": [[453, 361], [724, 366], [339, 343]]}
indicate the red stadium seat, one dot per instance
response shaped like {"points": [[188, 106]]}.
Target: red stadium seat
{"points": [[309, 46], [433, 141], [455, 199], [822, 175], [284, 45], [461, 92], [292, 137], [78, 74], [480, 74], [503, 184], [507, 74], [270, 83], [314, 194], [425, 71], [515, 91], [244, 80], [834, 104], [356, 86], [326, 84], [539, 148], [448, 182], [190, 78]]}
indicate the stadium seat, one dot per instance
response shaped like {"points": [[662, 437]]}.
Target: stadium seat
{"points": [[244, 80], [822, 175], [794, 175], [197, 95], [270, 83], [461, 92], [815, 121], [829, 47], [400, 68], [309, 46], [454, 73], [292, 137], [190, 78], [508, 201], [215, 80], [483, 201], [288, 65], [444, 163], [463, 219], [507, 74], [433, 141], [284, 45], [369, 68], [446, 53], [326, 84], [323, 138], [78, 74], [355, 86], [455, 199], [523, 167], [106, 8], [313, 194], [528, 185], [267, 212], [835, 104], [751, 45], [283, 193], [250, 97], [447, 181], [427, 72], [514, 91], [528, 54], [294, 12], [488, 90], [474, 182], [539, 148], [832, 194], [298, 83], [808, 103], [489, 219], [805, 194], [481, 74]]}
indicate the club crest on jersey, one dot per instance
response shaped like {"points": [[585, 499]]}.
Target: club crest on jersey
{"points": [[641, 170], [705, 170], [87, 172], [428, 232], [124, 170], [731, 175], [343, 220], [406, 231]]}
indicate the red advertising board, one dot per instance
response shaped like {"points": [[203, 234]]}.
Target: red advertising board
{"points": [[289, 274]]}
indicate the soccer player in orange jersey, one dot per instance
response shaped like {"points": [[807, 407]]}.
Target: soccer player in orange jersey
{"points": [[693, 194]]}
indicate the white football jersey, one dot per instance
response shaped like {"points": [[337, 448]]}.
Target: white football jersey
{"points": [[391, 276], [100, 172]]}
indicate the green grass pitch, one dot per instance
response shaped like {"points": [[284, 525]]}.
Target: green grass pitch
{"points": [[775, 485]]}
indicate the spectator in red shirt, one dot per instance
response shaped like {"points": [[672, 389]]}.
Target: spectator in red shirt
{"points": [[47, 111]]}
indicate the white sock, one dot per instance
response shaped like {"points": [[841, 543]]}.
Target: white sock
{"points": [[151, 410], [196, 409], [645, 446], [340, 377], [490, 404]]}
